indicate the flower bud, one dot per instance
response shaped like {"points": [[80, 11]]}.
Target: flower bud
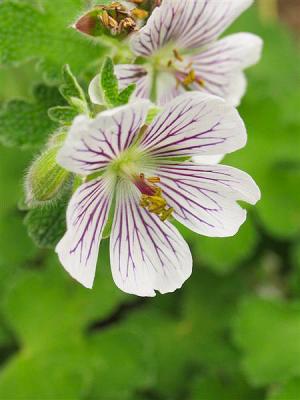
{"points": [[45, 178], [114, 19]]}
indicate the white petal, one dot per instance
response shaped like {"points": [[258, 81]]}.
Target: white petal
{"points": [[126, 74], [146, 254], [86, 218], [220, 66], [209, 160], [167, 88], [92, 144], [204, 197], [95, 91], [187, 24], [194, 124], [130, 73]]}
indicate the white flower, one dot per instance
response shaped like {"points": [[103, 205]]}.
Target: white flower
{"points": [[137, 173], [181, 51]]}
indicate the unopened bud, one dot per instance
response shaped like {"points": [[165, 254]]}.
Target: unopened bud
{"points": [[45, 178]]}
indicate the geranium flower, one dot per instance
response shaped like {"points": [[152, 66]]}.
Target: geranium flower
{"points": [[140, 175], [179, 51]]}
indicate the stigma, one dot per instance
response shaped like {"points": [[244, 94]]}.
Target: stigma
{"points": [[152, 196]]}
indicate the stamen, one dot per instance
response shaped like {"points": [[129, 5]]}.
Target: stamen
{"points": [[190, 78], [152, 197], [139, 14], [177, 55], [117, 18]]}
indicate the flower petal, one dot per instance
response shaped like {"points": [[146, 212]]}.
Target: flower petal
{"points": [[146, 254], [167, 88], [193, 124], [208, 160], [92, 144], [204, 197], [221, 64], [186, 23], [87, 214], [126, 74]]}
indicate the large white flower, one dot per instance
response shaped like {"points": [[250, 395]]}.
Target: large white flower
{"points": [[181, 52], [137, 173]]}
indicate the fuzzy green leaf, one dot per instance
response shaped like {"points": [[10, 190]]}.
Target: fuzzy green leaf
{"points": [[26, 124], [109, 83], [46, 225], [64, 115], [43, 33], [125, 94], [110, 87]]}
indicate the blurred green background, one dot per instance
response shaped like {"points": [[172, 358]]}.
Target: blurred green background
{"points": [[233, 331]]}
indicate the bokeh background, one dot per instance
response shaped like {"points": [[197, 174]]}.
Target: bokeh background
{"points": [[233, 331]]}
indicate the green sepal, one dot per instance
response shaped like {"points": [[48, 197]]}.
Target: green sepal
{"points": [[109, 83], [110, 87], [45, 178], [62, 114], [73, 92], [152, 113], [71, 87], [125, 94]]}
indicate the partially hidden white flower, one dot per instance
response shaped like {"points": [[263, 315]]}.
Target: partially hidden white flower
{"points": [[181, 52], [138, 173]]}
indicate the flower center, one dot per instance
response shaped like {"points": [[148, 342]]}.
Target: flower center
{"points": [[172, 61], [152, 196]]}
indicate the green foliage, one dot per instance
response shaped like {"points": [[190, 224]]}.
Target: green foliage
{"points": [[268, 332], [288, 391], [47, 224], [110, 88], [225, 254], [41, 30], [64, 115], [26, 123]]}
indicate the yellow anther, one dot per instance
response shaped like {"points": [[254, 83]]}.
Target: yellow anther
{"points": [[166, 214], [105, 18], [177, 55], [139, 14], [152, 198], [153, 179], [200, 82], [113, 23], [190, 78]]}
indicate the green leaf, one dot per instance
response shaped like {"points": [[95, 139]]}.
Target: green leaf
{"points": [[267, 332], [110, 87], [109, 83], [64, 115], [223, 255], [125, 94], [225, 388], [47, 224], [44, 33], [27, 124], [288, 391], [71, 87]]}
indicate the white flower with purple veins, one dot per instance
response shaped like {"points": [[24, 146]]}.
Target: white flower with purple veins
{"points": [[180, 52], [142, 176]]}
